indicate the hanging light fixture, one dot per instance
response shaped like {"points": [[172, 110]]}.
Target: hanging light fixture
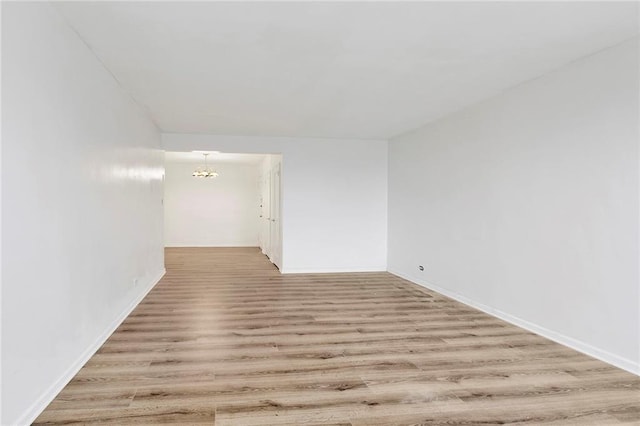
{"points": [[205, 171]]}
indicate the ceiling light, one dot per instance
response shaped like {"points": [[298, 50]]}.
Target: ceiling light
{"points": [[205, 171]]}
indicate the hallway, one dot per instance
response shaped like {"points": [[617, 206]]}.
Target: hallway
{"points": [[225, 338]]}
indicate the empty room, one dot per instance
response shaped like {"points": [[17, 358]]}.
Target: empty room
{"points": [[320, 213]]}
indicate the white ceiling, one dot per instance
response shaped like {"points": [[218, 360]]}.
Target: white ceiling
{"points": [[353, 70], [213, 158]]}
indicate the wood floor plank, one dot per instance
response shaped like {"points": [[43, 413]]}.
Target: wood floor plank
{"points": [[225, 339]]}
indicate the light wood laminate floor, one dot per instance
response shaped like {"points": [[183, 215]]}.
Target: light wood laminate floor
{"points": [[225, 339]]}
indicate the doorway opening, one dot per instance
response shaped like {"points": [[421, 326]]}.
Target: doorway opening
{"points": [[214, 199]]}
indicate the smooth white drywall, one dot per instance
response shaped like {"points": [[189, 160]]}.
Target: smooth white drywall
{"points": [[81, 195], [204, 212], [527, 205], [334, 69], [0, 218], [334, 197]]}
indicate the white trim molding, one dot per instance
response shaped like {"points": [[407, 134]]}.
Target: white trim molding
{"points": [[242, 245], [331, 270]]}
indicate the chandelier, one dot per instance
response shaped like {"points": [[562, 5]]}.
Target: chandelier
{"points": [[205, 171]]}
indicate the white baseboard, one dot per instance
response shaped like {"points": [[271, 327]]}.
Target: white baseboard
{"points": [[331, 270], [211, 245], [45, 399], [580, 346]]}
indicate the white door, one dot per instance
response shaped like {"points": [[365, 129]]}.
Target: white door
{"points": [[265, 217], [275, 235]]}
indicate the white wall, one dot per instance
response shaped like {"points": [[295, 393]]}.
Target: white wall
{"points": [[526, 205], [81, 197], [220, 212], [334, 197]]}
